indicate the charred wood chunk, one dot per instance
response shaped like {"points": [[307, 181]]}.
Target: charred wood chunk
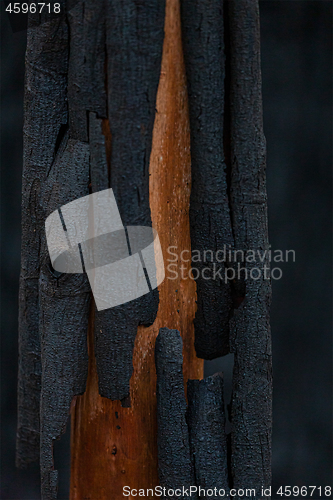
{"points": [[134, 42], [115, 332], [135, 34], [45, 111], [202, 27], [64, 311], [250, 330], [206, 422], [174, 460]]}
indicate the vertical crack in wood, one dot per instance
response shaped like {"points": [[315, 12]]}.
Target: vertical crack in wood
{"points": [[202, 27], [250, 330]]}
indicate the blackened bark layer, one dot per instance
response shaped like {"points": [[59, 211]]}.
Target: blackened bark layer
{"points": [[65, 299], [174, 460], [86, 72], [45, 113], [65, 152], [250, 330], [202, 27], [64, 311], [134, 41], [206, 422]]}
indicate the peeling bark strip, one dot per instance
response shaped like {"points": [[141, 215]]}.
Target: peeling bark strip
{"points": [[64, 300], [206, 422], [250, 330], [64, 310], [45, 114], [174, 460], [202, 26], [134, 43]]}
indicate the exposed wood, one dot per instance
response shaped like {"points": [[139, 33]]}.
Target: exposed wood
{"points": [[175, 469], [114, 446], [206, 423], [250, 330], [202, 25]]}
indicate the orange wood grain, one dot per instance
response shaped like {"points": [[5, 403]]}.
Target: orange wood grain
{"points": [[113, 446]]}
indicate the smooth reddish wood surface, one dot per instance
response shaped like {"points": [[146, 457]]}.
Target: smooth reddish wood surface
{"points": [[113, 446]]}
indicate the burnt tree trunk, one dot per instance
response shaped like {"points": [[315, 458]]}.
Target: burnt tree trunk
{"points": [[111, 101]]}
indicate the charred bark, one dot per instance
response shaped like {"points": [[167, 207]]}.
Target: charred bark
{"points": [[206, 423], [203, 43], [71, 68], [45, 113], [64, 309], [175, 468], [134, 42], [91, 83], [250, 329]]}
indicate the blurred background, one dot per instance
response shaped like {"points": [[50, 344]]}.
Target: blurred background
{"points": [[297, 76]]}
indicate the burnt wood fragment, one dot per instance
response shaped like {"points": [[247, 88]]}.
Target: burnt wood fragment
{"points": [[202, 29], [134, 42], [174, 459], [64, 311], [206, 423], [45, 112], [250, 330]]}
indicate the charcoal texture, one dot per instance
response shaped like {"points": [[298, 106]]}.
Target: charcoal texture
{"points": [[134, 43], [203, 32], [86, 71], [174, 459], [64, 310], [250, 329], [45, 111], [208, 443], [89, 67]]}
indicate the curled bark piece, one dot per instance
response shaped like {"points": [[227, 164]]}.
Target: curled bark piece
{"points": [[202, 26], [206, 422], [250, 329], [134, 50], [64, 311], [45, 113], [175, 469]]}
